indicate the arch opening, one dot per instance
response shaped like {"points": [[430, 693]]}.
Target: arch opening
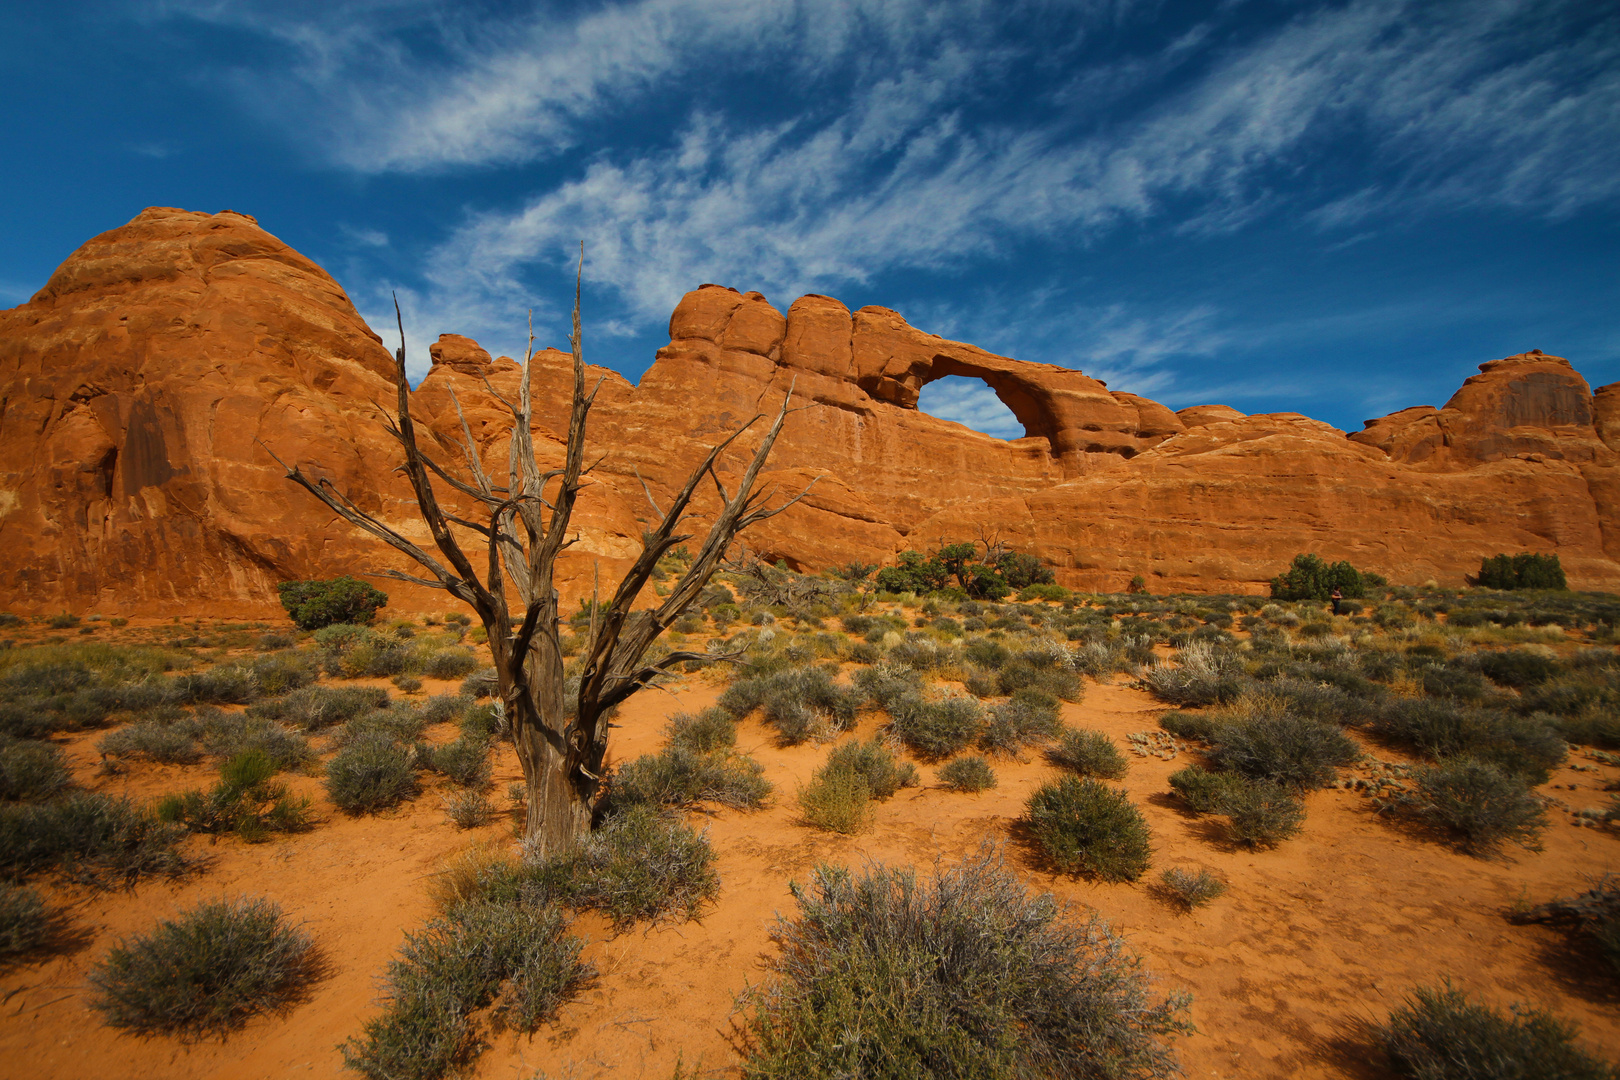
{"points": [[973, 403]]}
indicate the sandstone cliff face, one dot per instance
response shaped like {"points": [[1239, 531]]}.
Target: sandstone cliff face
{"points": [[143, 390]]}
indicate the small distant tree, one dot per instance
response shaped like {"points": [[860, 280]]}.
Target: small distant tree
{"points": [[1312, 577], [1525, 570], [989, 575], [1137, 586], [314, 604], [560, 743]]}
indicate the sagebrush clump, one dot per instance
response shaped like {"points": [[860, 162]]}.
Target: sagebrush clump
{"points": [[207, 971], [965, 974], [1085, 827]]}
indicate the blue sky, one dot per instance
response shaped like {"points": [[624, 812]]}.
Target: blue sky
{"points": [[1334, 208]]}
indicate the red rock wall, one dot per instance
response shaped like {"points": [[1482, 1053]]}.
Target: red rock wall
{"points": [[143, 390]]}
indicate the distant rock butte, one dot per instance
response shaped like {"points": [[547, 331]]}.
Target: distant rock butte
{"points": [[145, 388]]}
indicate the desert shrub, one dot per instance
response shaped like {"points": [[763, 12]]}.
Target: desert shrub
{"points": [[207, 971], [1059, 682], [481, 684], [229, 734], [1031, 716], [640, 865], [1517, 667], [175, 742], [970, 773], [468, 808], [1312, 578], [1439, 1034], [1203, 675], [1592, 916], [91, 838], [399, 722], [516, 956], [1190, 889], [1443, 729], [26, 923], [1085, 827], [407, 684], [1203, 791], [31, 771], [938, 728], [1185, 725], [800, 702], [876, 763], [1261, 813], [1481, 804], [485, 721], [882, 685], [316, 604], [449, 663], [981, 683], [315, 707], [444, 708], [1526, 570], [1270, 744], [839, 801], [224, 684], [1088, 753], [245, 801], [1594, 727], [923, 654], [703, 733], [986, 652], [280, 672], [371, 773], [681, 775], [464, 761], [885, 977], [1454, 681]]}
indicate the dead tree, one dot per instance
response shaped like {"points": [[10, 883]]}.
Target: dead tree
{"points": [[561, 744]]}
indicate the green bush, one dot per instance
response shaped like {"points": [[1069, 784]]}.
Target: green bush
{"points": [[1521, 745], [31, 771], [839, 801], [315, 707], [1312, 578], [245, 802], [1088, 753], [1517, 667], [1439, 1034], [1480, 803], [91, 838], [971, 774], [640, 865], [468, 808], [226, 735], [874, 761], [703, 733], [884, 977], [464, 761], [371, 773], [1188, 889], [449, 664], [1203, 675], [1185, 725], [207, 971], [518, 957], [1085, 827], [1262, 813], [1031, 716], [1204, 792], [800, 702], [26, 923], [681, 775], [935, 729], [1523, 571], [1274, 745], [224, 684], [315, 604]]}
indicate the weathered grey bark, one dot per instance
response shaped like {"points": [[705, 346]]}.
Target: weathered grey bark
{"points": [[524, 534]]}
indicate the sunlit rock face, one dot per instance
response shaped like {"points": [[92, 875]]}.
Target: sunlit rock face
{"points": [[149, 389]]}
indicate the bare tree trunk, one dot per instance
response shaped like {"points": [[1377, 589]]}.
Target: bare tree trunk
{"points": [[560, 747]]}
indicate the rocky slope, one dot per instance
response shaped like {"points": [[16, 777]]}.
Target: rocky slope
{"points": [[148, 389]]}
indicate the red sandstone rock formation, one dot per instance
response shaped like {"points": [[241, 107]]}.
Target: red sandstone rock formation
{"points": [[143, 390]]}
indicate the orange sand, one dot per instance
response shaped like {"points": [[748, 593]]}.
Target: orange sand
{"points": [[1311, 941]]}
